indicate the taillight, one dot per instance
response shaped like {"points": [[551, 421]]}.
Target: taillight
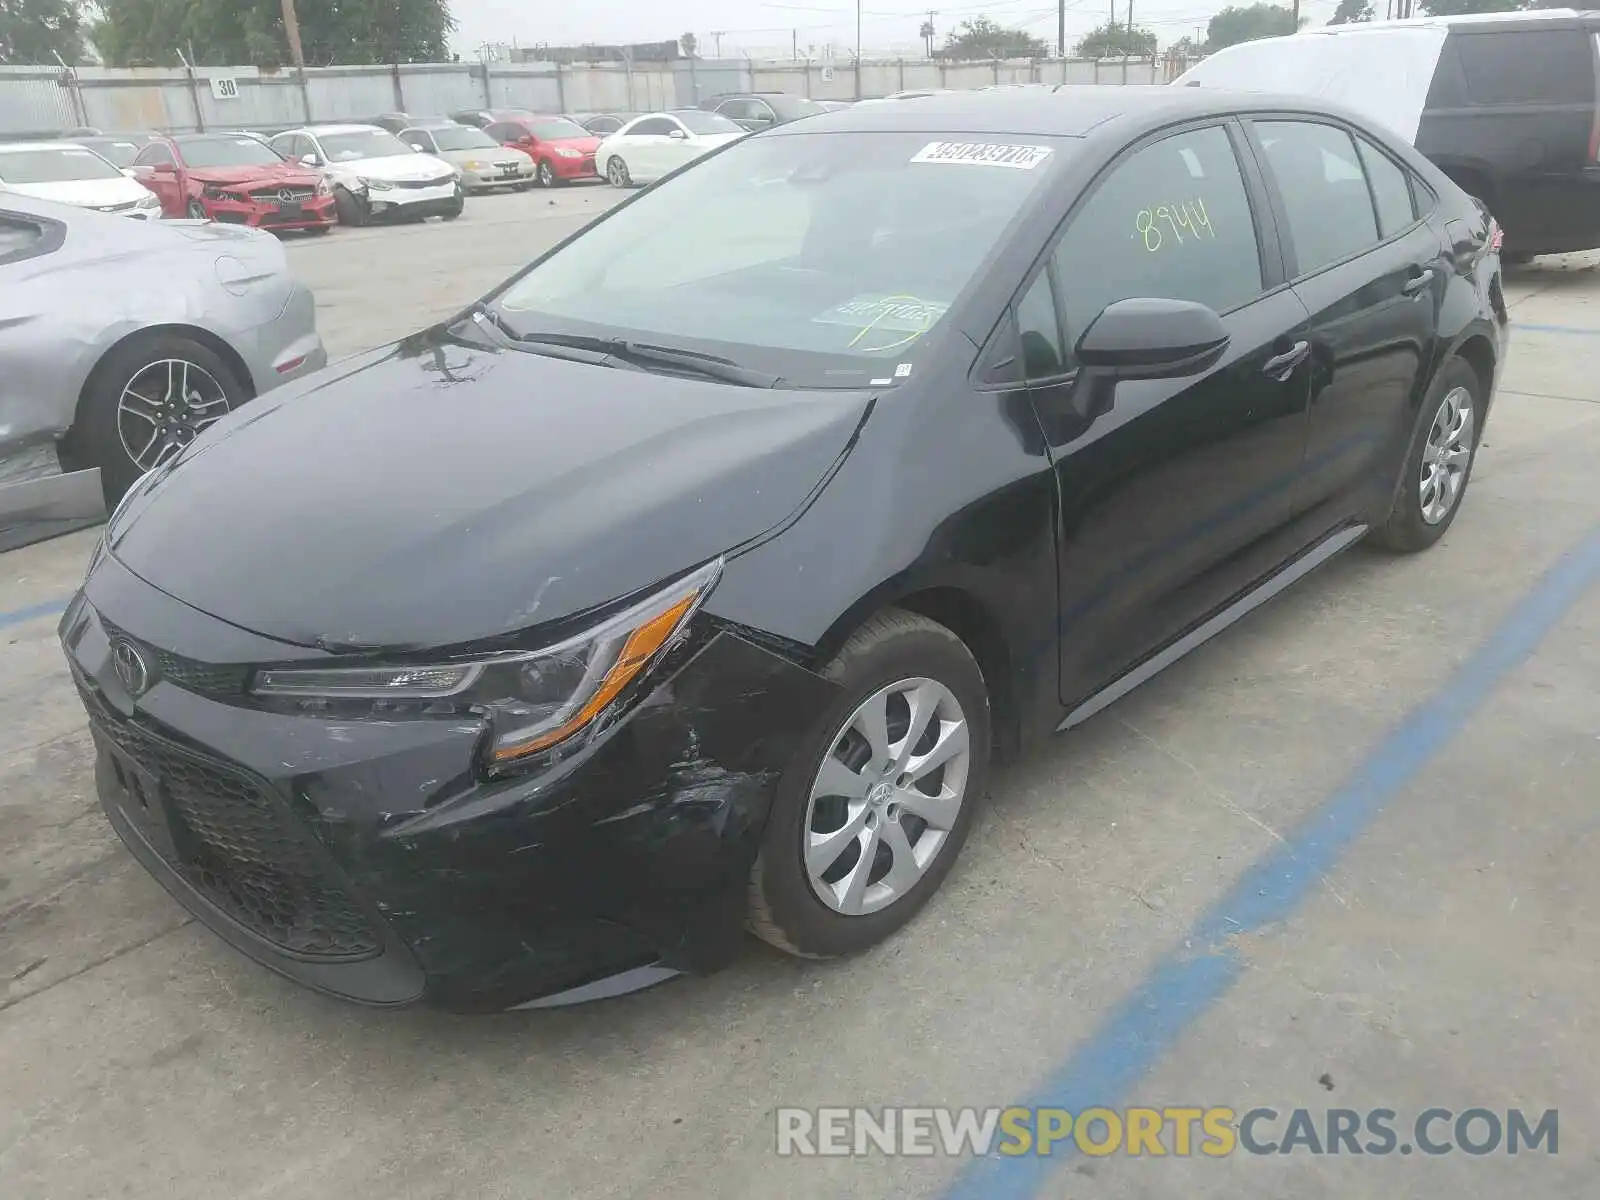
{"points": [[1496, 236]]}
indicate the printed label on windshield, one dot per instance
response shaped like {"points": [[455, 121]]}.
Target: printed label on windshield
{"points": [[883, 323], [981, 154]]}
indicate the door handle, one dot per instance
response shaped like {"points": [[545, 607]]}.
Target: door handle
{"points": [[1417, 282], [1281, 366]]}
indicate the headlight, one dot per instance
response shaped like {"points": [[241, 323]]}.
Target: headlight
{"points": [[568, 152], [148, 201], [377, 185], [324, 188], [534, 700], [474, 165]]}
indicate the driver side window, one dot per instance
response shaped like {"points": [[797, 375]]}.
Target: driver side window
{"points": [[418, 140], [654, 127], [153, 154]]}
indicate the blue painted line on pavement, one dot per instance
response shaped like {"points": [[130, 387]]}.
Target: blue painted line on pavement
{"points": [[50, 608], [1186, 982], [1556, 329]]}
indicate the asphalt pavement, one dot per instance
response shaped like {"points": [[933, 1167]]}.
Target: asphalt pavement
{"points": [[1341, 857]]}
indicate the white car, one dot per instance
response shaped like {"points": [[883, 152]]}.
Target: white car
{"points": [[375, 175], [72, 174], [651, 146]]}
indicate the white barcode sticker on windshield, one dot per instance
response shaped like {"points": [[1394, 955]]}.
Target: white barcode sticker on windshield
{"points": [[981, 154]]}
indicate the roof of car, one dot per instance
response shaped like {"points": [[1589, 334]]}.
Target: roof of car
{"points": [[1065, 110], [67, 144], [321, 129]]}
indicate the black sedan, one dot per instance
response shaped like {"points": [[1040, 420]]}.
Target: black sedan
{"points": [[691, 584]]}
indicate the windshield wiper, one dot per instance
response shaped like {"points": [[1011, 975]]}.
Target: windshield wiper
{"points": [[643, 355]]}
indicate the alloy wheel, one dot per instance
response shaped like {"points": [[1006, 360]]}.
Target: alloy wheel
{"points": [[164, 407], [1447, 455], [197, 211], [886, 796], [617, 172], [546, 176]]}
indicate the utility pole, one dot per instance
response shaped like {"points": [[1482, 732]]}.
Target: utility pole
{"points": [[715, 33], [1061, 28], [858, 49], [794, 45], [291, 26], [1297, 14]]}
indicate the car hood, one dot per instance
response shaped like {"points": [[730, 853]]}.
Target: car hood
{"points": [[84, 193], [438, 492], [286, 174], [395, 168], [485, 154]]}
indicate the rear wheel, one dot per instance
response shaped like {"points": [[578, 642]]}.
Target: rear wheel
{"points": [[1438, 465], [617, 172], [872, 812], [146, 401]]}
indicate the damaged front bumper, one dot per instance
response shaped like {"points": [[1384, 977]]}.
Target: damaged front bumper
{"points": [[373, 859], [39, 500]]}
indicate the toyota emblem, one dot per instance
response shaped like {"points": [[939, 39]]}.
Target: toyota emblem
{"points": [[286, 197], [130, 667]]}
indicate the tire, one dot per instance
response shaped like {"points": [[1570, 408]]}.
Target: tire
{"points": [[197, 211], [545, 176], [786, 907], [352, 209], [617, 172], [523, 186], [1415, 521], [450, 214], [318, 230], [97, 437]]}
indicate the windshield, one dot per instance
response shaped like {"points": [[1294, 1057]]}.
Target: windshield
{"points": [[553, 129], [364, 143], [118, 154], [697, 121], [462, 138], [228, 152], [825, 260], [54, 166]]}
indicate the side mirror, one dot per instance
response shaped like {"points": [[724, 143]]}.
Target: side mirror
{"points": [[418, 148], [1147, 338], [677, 133], [131, 172]]}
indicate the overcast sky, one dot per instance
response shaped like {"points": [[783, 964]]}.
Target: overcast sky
{"points": [[769, 29]]}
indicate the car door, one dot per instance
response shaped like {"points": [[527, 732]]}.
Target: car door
{"points": [[650, 148], [157, 169], [1165, 485], [1372, 275]]}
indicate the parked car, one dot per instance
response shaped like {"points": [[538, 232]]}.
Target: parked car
{"points": [[233, 178], [835, 105], [118, 151], [1506, 104], [482, 118], [375, 176], [71, 173], [793, 491], [394, 122], [561, 149], [602, 124], [483, 162], [762, 110], [121, 342], [649, 147]]}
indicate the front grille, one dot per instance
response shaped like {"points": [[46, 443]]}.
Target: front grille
{"points": [[209, 679], [237, 844], [423, 183], [279, 195]]}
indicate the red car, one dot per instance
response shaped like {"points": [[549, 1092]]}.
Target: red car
{"points": [[234, 178], [561, 149]]}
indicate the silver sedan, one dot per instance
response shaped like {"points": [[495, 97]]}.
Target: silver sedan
{"points": [[120, 341]]}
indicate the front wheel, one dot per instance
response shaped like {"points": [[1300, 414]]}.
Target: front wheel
{"points": [[450, 214], [352, 209], [197, 211], [617, 172], [1438, 464], [869, 817], [546, 177]]}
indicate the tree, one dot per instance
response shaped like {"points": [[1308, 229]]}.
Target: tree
{"points": [[251, 31], [1117, 41], [688, 41], [1352, 12], [1186, 47], [1457, 8], [983, 37], [35, 31], [1233, 25]]}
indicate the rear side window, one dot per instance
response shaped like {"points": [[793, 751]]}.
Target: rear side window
{"points": [[154, 153], [19, 238], [1391, 189], [1533, 66], [1324, 191], [1171, 220]]}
